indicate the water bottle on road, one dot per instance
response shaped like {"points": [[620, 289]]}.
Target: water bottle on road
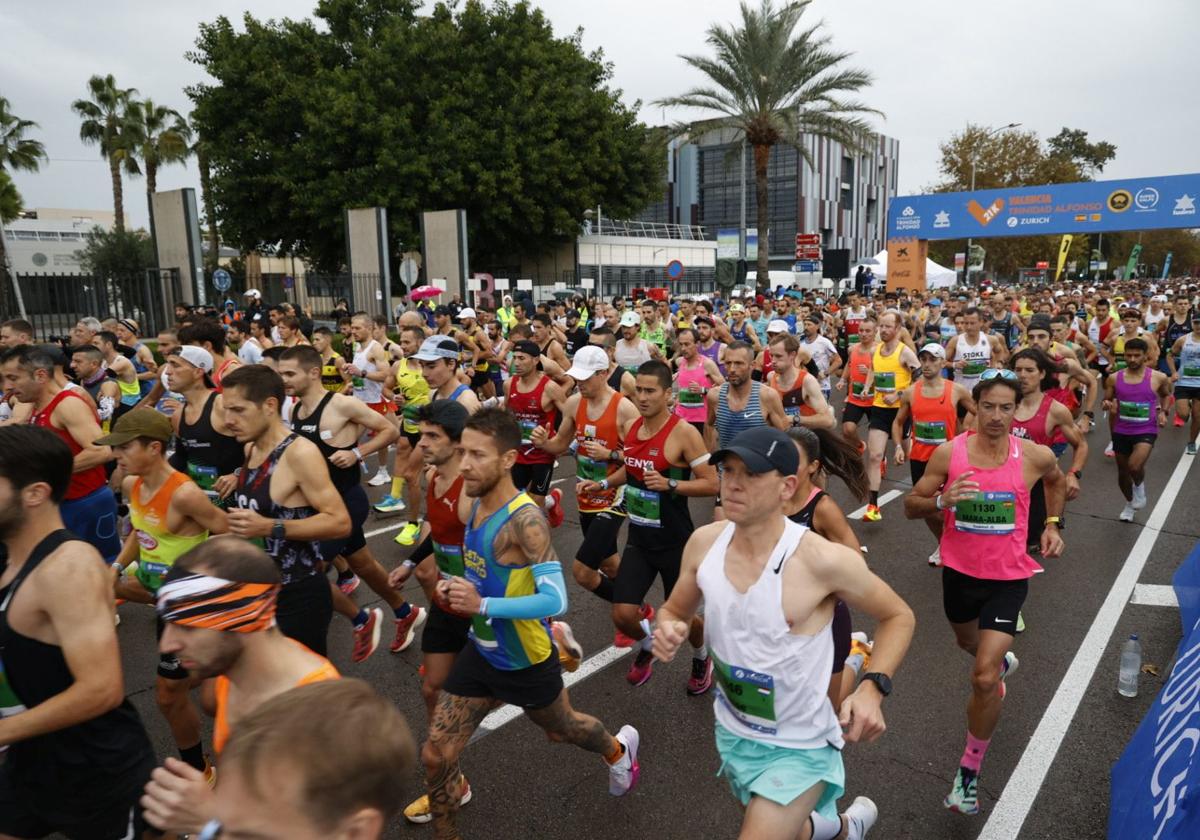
{"points": [[1131, 665]]}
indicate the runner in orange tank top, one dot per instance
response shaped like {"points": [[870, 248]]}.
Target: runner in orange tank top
{"points": [[854, 380]]}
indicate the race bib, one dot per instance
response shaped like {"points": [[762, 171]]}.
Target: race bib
{"points": [[690, 398], [358, 382], [974, 367], [449, 559], [991, 513], [749, 694], [151, 574], [1138, 412], [931, 432], [527, 427], [644, 507], [589, 469], [885, 380], [1191, 371], [853, 338], [857, 388]]}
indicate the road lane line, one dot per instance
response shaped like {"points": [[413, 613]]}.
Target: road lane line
{"points": [[1027, 778], [1154, 595], [386, 529], [889, 496]]}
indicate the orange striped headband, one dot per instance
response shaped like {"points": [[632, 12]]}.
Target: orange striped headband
{"points": [[214, 603]]}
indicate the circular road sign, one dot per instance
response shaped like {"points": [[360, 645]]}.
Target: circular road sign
{"points": [[674, 270], [222, 280]]}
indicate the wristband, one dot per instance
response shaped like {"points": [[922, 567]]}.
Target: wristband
{"points": [[483, 604], [358, 454], [409, 564], [1052, 520], [937, 500], [603, 483]]}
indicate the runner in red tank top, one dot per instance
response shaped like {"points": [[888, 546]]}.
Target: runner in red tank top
{"points": [[536, 400]]}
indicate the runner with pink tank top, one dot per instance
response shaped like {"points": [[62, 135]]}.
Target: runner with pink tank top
{"points": [[695, 373], [980, 483]]}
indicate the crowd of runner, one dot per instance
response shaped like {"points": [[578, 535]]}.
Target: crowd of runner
{"points": [[215, 473]]}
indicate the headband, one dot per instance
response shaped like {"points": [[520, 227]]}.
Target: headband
{"points": [[213, 603], [128, 324]]}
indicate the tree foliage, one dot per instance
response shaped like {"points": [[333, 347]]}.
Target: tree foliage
{"points": [[113, 252], [1072, 144], [10, 200], [18, 151], [108, 119], [471, 106]]}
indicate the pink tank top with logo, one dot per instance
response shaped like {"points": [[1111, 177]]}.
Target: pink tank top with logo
{"points": [[984, 537], [689, 404], [1034, 429]]}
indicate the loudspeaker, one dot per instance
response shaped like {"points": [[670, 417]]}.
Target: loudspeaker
{"points": [[835, 263]]}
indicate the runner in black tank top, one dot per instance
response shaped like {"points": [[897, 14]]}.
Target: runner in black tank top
{"points": [[82, 780], [344, 478], [202, 452]]}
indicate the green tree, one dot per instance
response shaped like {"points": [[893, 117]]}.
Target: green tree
{"points": [[162, 138], [108, 253], [773, 85], [1072, 144], [10, 203], [474, 106], [18, 152], [109, 119]]}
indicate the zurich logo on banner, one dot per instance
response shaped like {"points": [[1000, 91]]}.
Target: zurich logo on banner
{"points": [[1156, 782]]}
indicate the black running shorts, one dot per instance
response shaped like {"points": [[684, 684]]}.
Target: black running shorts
{"points": [[535, 687], [168, 664], [533, 478], [640, 566], [600, 529], [995, 603], [1124, 444], [444, 633], [852, 413], [882, 418]]}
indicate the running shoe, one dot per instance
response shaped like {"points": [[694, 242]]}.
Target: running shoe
{"points": [[348, 584], [406, 629], [641, 669], [1190, 449], [1007, 668], [935, 559], [963, 798], [1108, 451], [418, 812], [873, 514], [1139, 496], [380, 478], [623, 775], [701, 679], [621, 640], [366, 638], [1020, 623], [555, 512], [389, 505], [408, 534], [860, 645], [1127, 513], [860, 816], [570, 652], [1178, 422]]}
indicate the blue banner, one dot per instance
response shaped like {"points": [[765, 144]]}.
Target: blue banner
{"points": [[1156, 782], [1086, 207]]}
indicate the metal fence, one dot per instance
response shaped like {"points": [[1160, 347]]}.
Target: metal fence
{"points": [[622, 280], [54, 303]]}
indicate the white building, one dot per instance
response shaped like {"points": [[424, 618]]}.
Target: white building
{"points": [[45, 239]]}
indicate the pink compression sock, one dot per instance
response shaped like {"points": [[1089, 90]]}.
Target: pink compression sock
{"points": [[972, 756]]}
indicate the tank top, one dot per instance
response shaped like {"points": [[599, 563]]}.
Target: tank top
{"points": [[1119, 349], [1034, 428], [603, 430], [947, 330], [890, 377], [527, 407], [220, 372], [446, 535], [158, 548], [977, 358], [204, 453], [805, 515], [367, 390], [1135, 405], [657, 337], [324, 671], [131, 392], [935, 421], [412, 385], [614, 378], [729, 422], [860, 361], [506, 644], [851, 323], [713, 352], [632, 358], [793, 398], [689, 404], [297, 559], [657, 518], [771, 683], [984, 537], [84, 482], [1002, 329], [741, 333], [331, 378], [1189, 363], [1176, 331], [309, 428], [1097, 333], [94, 757]]}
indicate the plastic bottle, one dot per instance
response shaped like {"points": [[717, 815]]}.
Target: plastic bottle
{"points": [[1131, 665]]}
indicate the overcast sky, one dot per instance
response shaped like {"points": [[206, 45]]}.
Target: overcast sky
{"points": [[1124, 72]]}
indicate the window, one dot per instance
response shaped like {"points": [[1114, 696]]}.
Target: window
{"points": [[847, 169], [847, 200], [872, 212], [25, 234], [47, 236]]}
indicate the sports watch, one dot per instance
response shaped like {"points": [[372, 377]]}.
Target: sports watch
{"points": [[882, 682]]}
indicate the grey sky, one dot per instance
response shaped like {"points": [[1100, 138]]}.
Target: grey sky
{"points": [[1125, 72]]}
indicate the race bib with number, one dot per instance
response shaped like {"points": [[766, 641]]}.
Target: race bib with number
{"points": [[749, 694], [885, 380], [974, 367], [691, 398], [990, 513], [931, 432], [589, 469], [1138, 412], [853, 338], [527, 427], [1191, 371], [449, 559], [857, 388], [644, 507]]}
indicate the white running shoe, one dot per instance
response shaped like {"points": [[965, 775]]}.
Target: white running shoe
{"points": [[1108, 451], [380, 478], [1127, 513], [935, 559], [1139, 496], [623, 775], [860, 817]]}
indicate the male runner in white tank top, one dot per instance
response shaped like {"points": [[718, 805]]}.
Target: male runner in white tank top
{"points": [[769, 587]]}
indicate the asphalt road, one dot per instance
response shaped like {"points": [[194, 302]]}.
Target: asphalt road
{"points": [[526, 787]]}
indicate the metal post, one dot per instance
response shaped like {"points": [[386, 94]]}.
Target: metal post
{"points": [[599, 254], [742, 229], [967, 261], [11, 271]]}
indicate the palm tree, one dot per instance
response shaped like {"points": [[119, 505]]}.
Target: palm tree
{"points": [[17, 152], [774, 85], [10, 202], [163, 138], [110, 120]]}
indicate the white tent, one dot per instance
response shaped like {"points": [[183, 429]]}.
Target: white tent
{"points": [[936, 276]]}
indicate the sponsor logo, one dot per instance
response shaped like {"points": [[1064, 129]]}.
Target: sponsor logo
{"points": [[1146, 198], [1185, 205], [1095, 217], [1119, 201], [909, 220], [1012, 221], [908, 212], [982, 215], [941, 219]]}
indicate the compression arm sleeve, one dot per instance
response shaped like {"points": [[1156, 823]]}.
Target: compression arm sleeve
{"points": [[549, 600], [423, 550]]}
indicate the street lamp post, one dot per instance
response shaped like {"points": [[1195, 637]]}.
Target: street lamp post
{"points": [[967, 262]]}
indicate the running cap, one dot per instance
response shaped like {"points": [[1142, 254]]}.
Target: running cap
{"points": [[736, 307], [778, 325], [762, 449], [141, 422], [195, 356], [443, 309], [464, 314], [588, 361], [933, 349], [451, 415], [935, 301], [254, 293], [572, 313], [527, 347], [437, 347], [631, 319], [1039, 322]]}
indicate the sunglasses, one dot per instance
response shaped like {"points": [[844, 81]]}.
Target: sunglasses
{"points": [[1002, 373]]}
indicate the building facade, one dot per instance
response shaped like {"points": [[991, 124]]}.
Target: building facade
{"points": [[44, 240]]}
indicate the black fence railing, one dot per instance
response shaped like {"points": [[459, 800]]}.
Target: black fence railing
{"points": [[54, 303]]}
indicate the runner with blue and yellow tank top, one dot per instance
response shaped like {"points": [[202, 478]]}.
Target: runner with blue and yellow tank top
{"points": [[512, 586]]}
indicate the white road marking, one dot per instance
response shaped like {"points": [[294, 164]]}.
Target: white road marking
{"points": [[889, 496], [1010, 812], [507, 714], [386, 529], [1154, 595]]}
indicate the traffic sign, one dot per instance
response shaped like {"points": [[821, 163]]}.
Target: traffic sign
{"points": [[408, 271], [808, 239], [803, 266], [222, 280], [674, 270]]}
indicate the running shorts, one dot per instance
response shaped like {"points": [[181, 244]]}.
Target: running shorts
{"points": [[640, 566], [841, 629], [753, 768], [1183, 392], [852, 413], [534, 478], [93, 518], [304, 610], [917, 470], [882, 418], [600, 529], [480, 378], [444, 632], [995, 603], [1124, 444], [359, 508], [535, 687]]}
